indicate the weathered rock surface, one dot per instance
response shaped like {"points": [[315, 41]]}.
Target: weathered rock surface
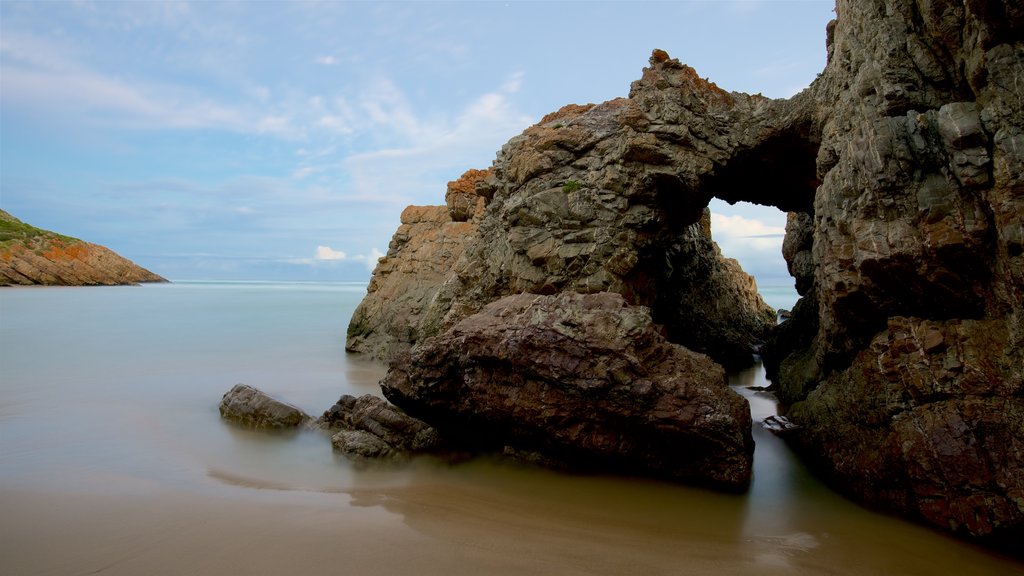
{"points": [[903, 168], [423, 250], [611, 198], [31, 256], [585, 380], [250, 407], [904, 361], [919, 414], [368, 428]]}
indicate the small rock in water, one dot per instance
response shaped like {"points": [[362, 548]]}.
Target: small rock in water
{"points": [[362, 445], [778, 424], [250, 407], [370, 427]]}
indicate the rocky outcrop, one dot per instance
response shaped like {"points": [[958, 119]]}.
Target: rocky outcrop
{"points": [[905, 369], [583, 380], [606, 198], [369, 428], [249, 407], [31, 256], [422, 253], [928, 419], [903, 169], [593, 199]]}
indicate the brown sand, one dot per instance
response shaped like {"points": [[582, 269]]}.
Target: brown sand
{"points": [[429, 527]]}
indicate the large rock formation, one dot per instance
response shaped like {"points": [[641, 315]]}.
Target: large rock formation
{"points": [[903, 169], [583, 380], [607, 198], [32, 256], [906, 368]]}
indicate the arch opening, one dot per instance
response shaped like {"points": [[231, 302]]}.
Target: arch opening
{"points": [[780, 171]]}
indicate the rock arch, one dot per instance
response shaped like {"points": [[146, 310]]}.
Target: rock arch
{"points": [[903, 169]]}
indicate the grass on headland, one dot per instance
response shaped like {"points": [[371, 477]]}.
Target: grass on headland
{"points": [[13, 230]]}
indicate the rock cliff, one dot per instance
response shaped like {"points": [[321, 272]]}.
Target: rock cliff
{"points": [[904, 363], [422, 253], [31, 256], [902, 168]]}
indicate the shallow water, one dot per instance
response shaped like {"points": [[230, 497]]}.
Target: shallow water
{"points": [[114, 461]]}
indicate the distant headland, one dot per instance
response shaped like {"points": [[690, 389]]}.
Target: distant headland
{"points": [[31, 256]]}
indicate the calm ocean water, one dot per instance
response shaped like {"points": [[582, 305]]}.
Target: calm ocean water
{"points": [[115, 390]]}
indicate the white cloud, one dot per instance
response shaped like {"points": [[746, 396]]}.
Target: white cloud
{"points": [[427, 154], [747, 234], [326, 60], [328, 253], [753, 235]]}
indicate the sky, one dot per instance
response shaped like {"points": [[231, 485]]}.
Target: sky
{"points": [[281, 140]]}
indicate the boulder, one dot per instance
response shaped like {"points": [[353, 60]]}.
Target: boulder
{"points": [[368, 427], [247, 406], [585, 380]]}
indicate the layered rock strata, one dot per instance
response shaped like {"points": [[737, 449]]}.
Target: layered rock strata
{"points": [[612, 198], [582, 380], [31, 256]]}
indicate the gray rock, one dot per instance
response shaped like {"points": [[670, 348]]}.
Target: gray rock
{"points": [[353, 419], [250, 407], [360, 445]]}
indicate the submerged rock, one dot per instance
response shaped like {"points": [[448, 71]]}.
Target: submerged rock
{"points": [[585, 380], [250, 407]]}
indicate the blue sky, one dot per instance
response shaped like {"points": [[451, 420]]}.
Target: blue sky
{"points": [[274, 140]]}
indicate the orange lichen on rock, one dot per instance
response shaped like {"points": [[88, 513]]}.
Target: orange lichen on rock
{"points": [[59, 250], [466, 183], [463, 202], [686, 77], [566, 112], [658, 56]]}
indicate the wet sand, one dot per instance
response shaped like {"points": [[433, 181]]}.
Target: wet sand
{"points": [[478, 518]]}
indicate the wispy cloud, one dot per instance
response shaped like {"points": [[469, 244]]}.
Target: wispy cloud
{"points": [[431, 151], [745, 234]]}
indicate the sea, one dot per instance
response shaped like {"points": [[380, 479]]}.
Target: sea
{"points": [[113, 460]]}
